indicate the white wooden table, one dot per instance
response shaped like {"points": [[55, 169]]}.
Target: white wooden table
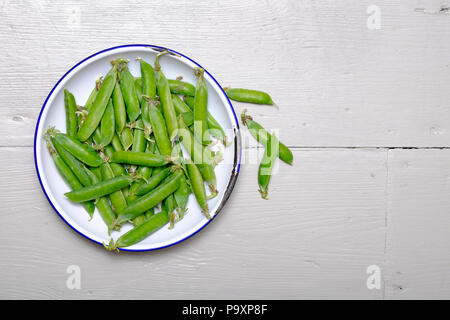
{"points": [[366, 111]]}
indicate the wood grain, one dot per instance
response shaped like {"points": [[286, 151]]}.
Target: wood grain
{"points": [[349, 99], [418, 217], [303, 243], [337, 83]]}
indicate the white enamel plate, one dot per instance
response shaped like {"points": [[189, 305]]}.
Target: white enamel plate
{"points": [[80, 80]]}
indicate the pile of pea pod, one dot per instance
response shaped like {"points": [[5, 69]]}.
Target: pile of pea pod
{"points": [[121, 152]]}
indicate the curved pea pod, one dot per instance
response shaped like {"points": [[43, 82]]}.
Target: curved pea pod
{"points": [[81, 151], [165, 97], [117, 198], [214, 127], [262, 136], [251, 96], [152, 182], [100, 189], [129, 94], [98, 108], [159, 129], [139, 233], [69, 177], [266, 165], [71, 116], [107, 126], [184, 110], [126, 138], [201, 132], [120, 113], [181, 87], [198, 187], [151, 199], [140, 158], [73, 163], [92, 95]]}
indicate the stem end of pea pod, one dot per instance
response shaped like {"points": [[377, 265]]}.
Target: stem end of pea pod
{"points": [[245, 117], [264, 194], [111, 246], [198, 72], [205, 211], [213, 190], [50, 133]]}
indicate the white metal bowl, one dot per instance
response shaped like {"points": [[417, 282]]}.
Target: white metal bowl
{"points": [[80, 81]]}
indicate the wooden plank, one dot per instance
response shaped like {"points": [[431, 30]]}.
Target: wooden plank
{"points": [[323, 225], [418, 250], [337, 83]]}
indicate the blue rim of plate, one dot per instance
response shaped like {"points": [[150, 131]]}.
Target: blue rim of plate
{"points": [[237, 147]]}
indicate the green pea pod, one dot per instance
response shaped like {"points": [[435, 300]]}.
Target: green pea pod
{"points": [[151, 199], [152, 182], [159, 129], [182, 194], [139, 141], [139, 158], [266, 165], [107, 125], [107, 214], [100, 189], [81, 151], [143, 171], [148, 81], [170, 206], [181, 87], [214, 127], [180, 106], [116, 143], [138, 86], [73, 163], [97, 172], [69, 177], [120, 113], [103, 206], [198, 187], [126, 138], [143, 217], [198, 152], [92, 95], [201, 132], [117, 169], [251, 96], [129, 94], [117, 198], [141, 232], [181, 197], [139, 220], [200, 155], [165, 97], [98, 108], [71, 116], [262, 136]]}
